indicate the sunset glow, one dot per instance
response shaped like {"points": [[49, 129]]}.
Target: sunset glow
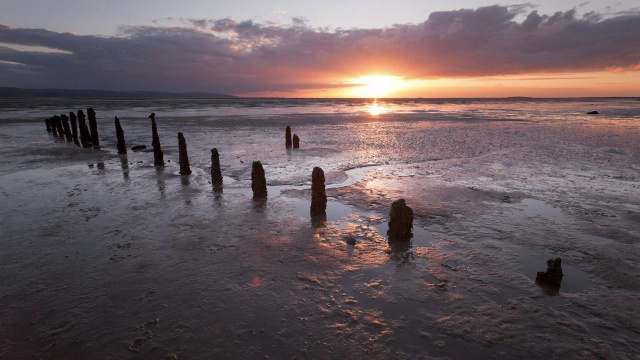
{"points": [[461, 51], [377, 86]]}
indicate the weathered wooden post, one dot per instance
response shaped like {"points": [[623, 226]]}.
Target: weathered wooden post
{"points": [[185, 169], [216, 173], [85, 135], [48, 123], [318, 194], [258, 180], [122, 148], [93, 124], [296, 141], [67, 129], [74, 128], [158, 157], [287, 135], [400, 222], [58, 124], [54, 126], [553, 275]]}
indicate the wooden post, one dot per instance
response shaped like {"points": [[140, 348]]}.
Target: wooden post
{"points": [[287, 135], [216, 173], [122, 148], [67, 129], [258, 180], [85, 135], [400, 222], [74, 128], [185, 169], [93, 124], [296, 141], [158, 156], [318, 194]]}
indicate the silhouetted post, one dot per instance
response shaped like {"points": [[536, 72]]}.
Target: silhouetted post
{"points": [[296, 141], [93, 124], [318, 194], [58, 124], [216, 173], [74, 128], [400, 222], [86, 130], [553, 275], [185, 169], [122, 148], [258, 180], [85, 136], [158, 157], [54, 128], [287, 135], [67, 129], [48, 123]]}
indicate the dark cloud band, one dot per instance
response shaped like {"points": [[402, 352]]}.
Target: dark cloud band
{"points": [[231, 56]]}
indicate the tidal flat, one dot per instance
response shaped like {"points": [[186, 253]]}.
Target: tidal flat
{"points": [[104, 256]]}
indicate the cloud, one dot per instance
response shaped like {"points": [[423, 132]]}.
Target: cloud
{"points": [[232, 56]]}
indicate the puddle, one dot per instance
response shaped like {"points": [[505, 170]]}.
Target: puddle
{"points": [[531, 208], [356, 175], [574, 280], [336, 211], [353, 176]]}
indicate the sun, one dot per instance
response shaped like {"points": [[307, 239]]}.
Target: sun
{"points": [[376, 86]]}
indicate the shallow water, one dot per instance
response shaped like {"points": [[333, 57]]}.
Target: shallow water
{"points": [[105, 256]]}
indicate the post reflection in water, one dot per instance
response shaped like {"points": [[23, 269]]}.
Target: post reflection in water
{"points": [[124, 163], [319, 220], [260, 204], [184, 179], [160, 180]]}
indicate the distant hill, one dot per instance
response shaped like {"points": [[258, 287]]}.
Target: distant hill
{"points": [[9, 92]]}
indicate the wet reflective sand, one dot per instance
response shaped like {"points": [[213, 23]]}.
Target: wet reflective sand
{"points": [[103, 256]]}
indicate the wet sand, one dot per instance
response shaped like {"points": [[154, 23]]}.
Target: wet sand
{"points": [[105, 257]]}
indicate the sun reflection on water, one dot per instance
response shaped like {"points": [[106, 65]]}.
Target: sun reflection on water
{"points": [[376, 109]]}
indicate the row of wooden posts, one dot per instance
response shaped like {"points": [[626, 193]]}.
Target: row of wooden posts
{"points": [[401, 215], [59, 125]]}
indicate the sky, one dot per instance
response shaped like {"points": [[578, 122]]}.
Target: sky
{"points": [[374, 48]]}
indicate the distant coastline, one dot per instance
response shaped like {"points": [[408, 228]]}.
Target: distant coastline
{"points": [[15, 93], [11, 92]]}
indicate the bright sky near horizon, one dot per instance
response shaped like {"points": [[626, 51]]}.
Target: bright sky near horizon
{"points": [[374, 48]]}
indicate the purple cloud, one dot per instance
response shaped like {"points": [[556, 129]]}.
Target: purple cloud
{"points": [[231, 56]]}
